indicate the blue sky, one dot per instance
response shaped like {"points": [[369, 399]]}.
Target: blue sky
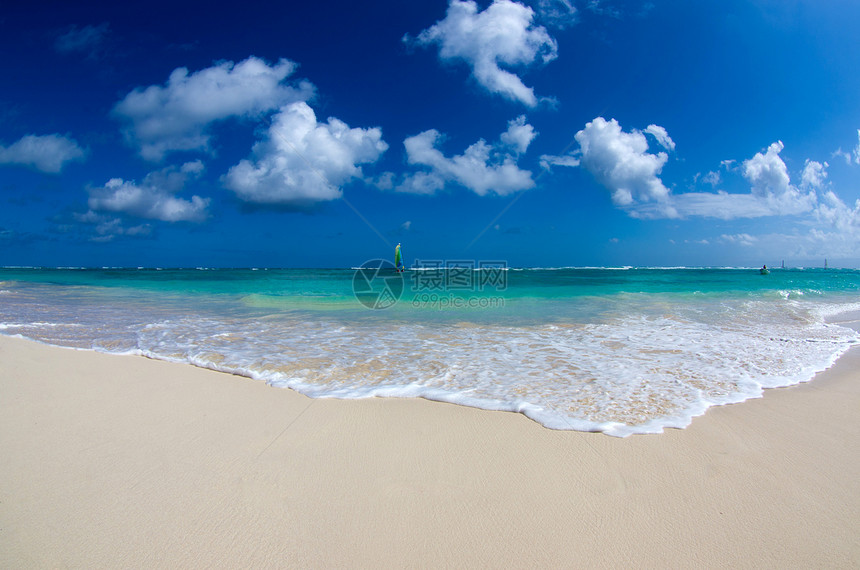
{"points": [[541, 133]]}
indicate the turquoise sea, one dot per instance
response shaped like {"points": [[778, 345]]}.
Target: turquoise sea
{"points": [[618, 350]]}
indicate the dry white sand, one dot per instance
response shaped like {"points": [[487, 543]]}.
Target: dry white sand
{"points": [[119, 461]]}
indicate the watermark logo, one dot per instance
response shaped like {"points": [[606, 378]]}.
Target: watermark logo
{"points": [[442, 301], [435, 284], [459, 275], [377, 284]]}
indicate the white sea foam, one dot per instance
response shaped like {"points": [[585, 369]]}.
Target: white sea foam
{"points": [[37, 325], [630, 374], [622, 363]]}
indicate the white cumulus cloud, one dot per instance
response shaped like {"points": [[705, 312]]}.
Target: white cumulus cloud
{"points": [[621, 162], [771, 192], [503, 35], [48, 153], [519, 134], [301, 162], [767, 172], [839, 217], [771, 184], [155, 197], [482, 168], [176, 116], [814, 174], [835, 232]]}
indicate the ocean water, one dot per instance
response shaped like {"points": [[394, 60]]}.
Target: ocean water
{"points": [[617, 350]]}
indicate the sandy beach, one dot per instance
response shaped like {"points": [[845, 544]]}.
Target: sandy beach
{"points": [[121, 461]]}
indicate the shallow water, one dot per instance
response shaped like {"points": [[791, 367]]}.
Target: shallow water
{"points": [[626, 350]]}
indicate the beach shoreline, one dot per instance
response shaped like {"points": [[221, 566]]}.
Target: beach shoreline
{"points": [[122, 461]]}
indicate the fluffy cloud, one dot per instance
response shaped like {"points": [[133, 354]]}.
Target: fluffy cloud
{"points": [[771, 192], [621, 162], [48, 153], [767, 172], [175, 117], [501, 35], [301, 161], [154, 198], [834, 232], [835, 214], [519, 134], [814, 174], [482, 168], [770, 182]]}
